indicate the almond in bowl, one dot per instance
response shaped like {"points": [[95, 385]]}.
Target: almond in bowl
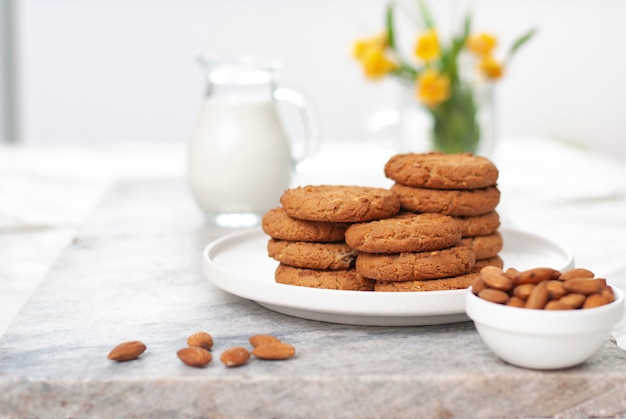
{"points": [[543, 325]]}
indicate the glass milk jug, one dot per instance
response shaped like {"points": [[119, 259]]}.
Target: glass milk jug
{"points": [[240, 160]]}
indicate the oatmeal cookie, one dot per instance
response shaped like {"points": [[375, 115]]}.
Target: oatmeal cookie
{"points": [[456, 202], [340, 203], [277, 224], [414, 266], [404, 233], [479, 225], [326, 256], [485, 246], [442, 284], [491, 261], [442, 171], [313, 278]]}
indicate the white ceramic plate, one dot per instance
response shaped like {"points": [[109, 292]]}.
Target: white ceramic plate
{"points": [[238, 264]]}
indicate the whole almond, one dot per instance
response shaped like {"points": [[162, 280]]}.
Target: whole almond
{"points": [[495, 296], [523, 291], [556, 289], [538, 296], [261, 339], [201, 339], [516, 302], [127, 351], [556, 305], [195, 356], [576, 273], [274, 351], [512, 274], [536, 275], [608, 291], [494, 277], [596, 300], [478, 285], [235, 356], [573, 300], [583, 286]]}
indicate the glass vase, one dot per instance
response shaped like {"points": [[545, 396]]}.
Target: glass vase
{"points": [[464, 123]]}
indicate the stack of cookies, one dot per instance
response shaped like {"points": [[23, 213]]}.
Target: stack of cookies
{"points": [[307, 233], [355, 238], [412, 252], [462, 186]]}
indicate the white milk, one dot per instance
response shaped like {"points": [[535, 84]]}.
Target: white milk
{"points": [[239, 157]]}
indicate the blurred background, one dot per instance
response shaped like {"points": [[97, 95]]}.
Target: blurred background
{"points": [[104, 71]]}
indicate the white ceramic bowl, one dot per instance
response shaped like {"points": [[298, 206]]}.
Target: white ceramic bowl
{"points": [[544, 339]]}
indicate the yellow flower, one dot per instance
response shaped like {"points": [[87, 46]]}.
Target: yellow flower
{"points": [[362, 46], [371, 53], [427, 46], [376, 64], [482, 43], [432, 87], [490, 67]]}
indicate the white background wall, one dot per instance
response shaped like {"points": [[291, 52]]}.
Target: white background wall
{"points": [[102, 71]]}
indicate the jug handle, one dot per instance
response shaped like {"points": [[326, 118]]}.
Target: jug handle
{"points": [[309, 121]]}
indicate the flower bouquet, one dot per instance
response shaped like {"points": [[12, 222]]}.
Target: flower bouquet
{"points": [[445, 77]]}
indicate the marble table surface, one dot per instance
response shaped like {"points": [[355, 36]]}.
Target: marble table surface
{"points": [[103, 246]]}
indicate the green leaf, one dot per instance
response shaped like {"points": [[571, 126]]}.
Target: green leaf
{"points": [[404, 70], [406, 73], [426, 16], [391, 38], [521, 41], [467, 26]]}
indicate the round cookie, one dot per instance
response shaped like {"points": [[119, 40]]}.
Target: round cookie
{"points": [[277, 224], [414, 266], [442, 171], [479, 225], [492, 261], [331, 256], [456, 202], [404, 233], [339, 203], [443, 284], [312, 278], [484, 246]]}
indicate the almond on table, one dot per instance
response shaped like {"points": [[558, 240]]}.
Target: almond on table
{"points": [[195, 356], [127, 351], [260, 339], [235, 356], [201, 339], [274, 351]]}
